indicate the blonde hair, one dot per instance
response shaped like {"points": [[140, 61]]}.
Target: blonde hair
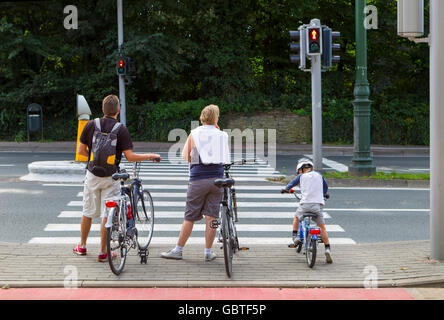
{"points": [[209, 114], [110, 105]]}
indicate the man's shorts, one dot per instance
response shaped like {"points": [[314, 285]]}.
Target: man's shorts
{"points": [[96, 191], [203, 198], [315, 208]]}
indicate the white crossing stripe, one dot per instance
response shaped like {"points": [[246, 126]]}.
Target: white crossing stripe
{"points": [[197, 227], [169, 187], [270, 204], [180, 215], [182, 204], [192, 240], [187, 175], [169, 180], [239, 195]]}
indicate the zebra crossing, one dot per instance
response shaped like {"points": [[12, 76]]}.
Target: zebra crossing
{"points": [[265, 215]]}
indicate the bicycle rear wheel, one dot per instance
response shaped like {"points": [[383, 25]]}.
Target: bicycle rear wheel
{"points": [[227, 242], [115, 244], [311, 252], [144, 219]]}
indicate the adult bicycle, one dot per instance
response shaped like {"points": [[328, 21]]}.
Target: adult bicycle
{"points": [[228, 216], [309, 235], [130, 223]]}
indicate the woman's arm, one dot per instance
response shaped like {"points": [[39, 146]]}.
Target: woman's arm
{"points": [[189, 145]]}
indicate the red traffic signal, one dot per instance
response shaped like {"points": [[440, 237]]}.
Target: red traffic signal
{"points": [[314, 35], [121, 69], [314, 45]]}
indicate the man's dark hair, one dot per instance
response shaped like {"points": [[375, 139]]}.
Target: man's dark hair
{"points": [[110, 105]]}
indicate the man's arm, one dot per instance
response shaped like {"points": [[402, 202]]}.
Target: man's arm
{"points": [[130, 155], [83, 150]]}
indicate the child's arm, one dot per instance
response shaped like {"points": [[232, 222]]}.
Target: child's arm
{"points": [[324, 186], [294, 182]]}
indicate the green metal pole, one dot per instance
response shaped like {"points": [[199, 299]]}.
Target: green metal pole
{"points": [[362, 162]]}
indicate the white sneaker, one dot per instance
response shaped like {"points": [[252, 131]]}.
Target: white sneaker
{"points": [[210, 256], [328, 256], [172, 255]]}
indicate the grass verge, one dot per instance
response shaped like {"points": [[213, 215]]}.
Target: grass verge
{"points": [[378, 176]]}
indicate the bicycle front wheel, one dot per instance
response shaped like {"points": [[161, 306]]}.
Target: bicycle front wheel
{"points": [[115, 244], [227, 242], [310, 255], [144, 219]]}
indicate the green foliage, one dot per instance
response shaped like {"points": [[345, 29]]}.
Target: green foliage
{"points": [[191, 53], [378, 176]]}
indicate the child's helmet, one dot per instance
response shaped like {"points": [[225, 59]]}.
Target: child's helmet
{"points": [[304, 163]]}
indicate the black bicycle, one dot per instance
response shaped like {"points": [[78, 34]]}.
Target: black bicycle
{"points": [[134, 208], [228, 216]]}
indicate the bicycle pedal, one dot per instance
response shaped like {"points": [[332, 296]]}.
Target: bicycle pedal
{"points": [[214, 224]]}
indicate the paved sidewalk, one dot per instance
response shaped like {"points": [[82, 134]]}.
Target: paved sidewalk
{"points": [[395, 264]]}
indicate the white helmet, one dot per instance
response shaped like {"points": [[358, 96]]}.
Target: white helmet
{"points": [[304, 163]]}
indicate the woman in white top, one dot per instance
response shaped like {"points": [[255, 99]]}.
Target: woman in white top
{"points": [[206, 149]]}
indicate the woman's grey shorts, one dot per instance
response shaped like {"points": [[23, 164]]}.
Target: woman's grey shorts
{"points": [[203, 198], [315, 208]]}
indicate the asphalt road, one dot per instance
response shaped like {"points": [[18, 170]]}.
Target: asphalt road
{"points": [[365, 215]]}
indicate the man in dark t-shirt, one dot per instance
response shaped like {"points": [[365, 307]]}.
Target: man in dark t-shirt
{"points": [[96, 189]]}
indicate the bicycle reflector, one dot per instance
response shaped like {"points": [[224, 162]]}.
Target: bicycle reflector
{"points": [[315, 231], [130, 212], [291, 190], [110, 204]]}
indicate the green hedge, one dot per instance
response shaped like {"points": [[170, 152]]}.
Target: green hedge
{"points": [[393, 121]]}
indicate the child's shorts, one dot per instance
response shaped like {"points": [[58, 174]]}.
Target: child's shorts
{"points": [[315, 208]]}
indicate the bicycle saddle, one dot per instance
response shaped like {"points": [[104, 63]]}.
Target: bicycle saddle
{"points": [[311, 215], [117, 176], [224, 183]]}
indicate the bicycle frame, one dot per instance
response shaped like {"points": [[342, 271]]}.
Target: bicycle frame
{"points": [[306, 231]]}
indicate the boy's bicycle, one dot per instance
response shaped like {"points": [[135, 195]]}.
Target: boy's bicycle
{"points": [[310, 236], [130, 222], [227, 228]]}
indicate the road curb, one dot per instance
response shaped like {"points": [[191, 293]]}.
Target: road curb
{"points": [[426, 282]]}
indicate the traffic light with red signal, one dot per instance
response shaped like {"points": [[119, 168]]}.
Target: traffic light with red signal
{"points": [[121, 67], [314, 41]]}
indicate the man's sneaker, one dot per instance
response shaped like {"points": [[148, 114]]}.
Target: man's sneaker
{"points": [[172, 255], [328, 255], [210, 256], [104, 257], [79, 250]]}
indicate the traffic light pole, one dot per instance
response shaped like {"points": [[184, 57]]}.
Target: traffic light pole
{"points": [[316, 110], [436, 129], [121, 77]]}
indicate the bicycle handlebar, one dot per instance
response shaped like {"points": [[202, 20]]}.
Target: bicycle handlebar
{"points": [[326, 196], [241, 162]]}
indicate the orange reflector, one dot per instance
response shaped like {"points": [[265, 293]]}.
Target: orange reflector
{"points": [[110, 204]]}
